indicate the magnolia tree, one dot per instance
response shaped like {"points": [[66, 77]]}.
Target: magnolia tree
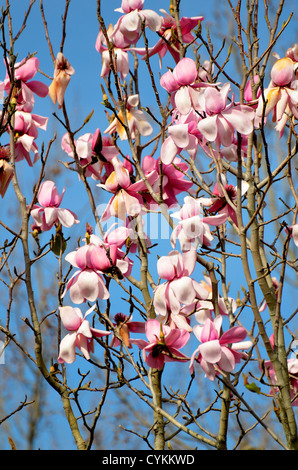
{"points": [[199, 141]]}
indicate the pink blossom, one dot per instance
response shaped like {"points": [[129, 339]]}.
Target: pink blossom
{"points": [[125, 325], [225, 199], [127, 199], [120, 53], [203, 307], [281, 96], [248, 90], [183, 86], [126, 235], [136, 119], [169, 36], [218, 353], [183, 135], [24, 71], [26, 132], [130, 23], [163, 345], [63, 72], [222, 120], [49, 212], [85, 284], [231, 152], [100, 257], [89, 155], [193, 228], [81, 335], [179, 288], [174, 179]]}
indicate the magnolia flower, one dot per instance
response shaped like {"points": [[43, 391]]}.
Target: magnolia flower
{"points": [[136, 120], [179, 287], [124, 326], [225, 199], [193, 227], [49, 212], [126, 235], [119, 53], [26, 132], [169, 36], [183, 135], [62, 75], [81, 334], [222, 120], [163, 345], [127, 199], [173, 180], [182, 85], [85, 284], [218, 353], [25, 87], [92, 156], [100, 257], [281, 96], [130, 24]]}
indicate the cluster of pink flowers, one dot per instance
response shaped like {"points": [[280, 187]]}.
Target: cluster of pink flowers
{"points": [[203, 114], [25, 124]]}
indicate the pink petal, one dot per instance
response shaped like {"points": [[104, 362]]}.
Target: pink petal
{"points": [[189, 261], [177, 338], [71, 317], [241, 118], [182, 289], [39, 88], [28, 70], [153, 20], [169, 150], [208, 127], [215, 101], [67, 348], [225, 131], [179, 134], [227, 360], [160, 300], [211, 351], [143, 126], [169, 82], [182, 100], [233, 335], [185, 71], [66, 217], [152, 328], [51, 215]]}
